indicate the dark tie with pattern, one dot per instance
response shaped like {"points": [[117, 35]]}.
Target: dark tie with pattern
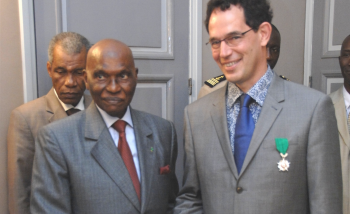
{"points": [[125, 153], [72, 111], [244, 131]]}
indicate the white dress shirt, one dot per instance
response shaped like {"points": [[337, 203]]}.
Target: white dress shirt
{"points": [[347, 101], [66, 107], [129, 132]]}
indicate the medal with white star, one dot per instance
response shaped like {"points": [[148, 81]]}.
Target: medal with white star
{"points": [[282, 147]]}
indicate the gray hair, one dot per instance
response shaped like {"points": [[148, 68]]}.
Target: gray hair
{"points": [[72, 43]]}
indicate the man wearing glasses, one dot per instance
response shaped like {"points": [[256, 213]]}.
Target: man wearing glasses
{"points": [[341, 101], [261, 144], [273, 53]]}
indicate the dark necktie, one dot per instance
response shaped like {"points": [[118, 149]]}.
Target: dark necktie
{"points": [[125, 153], [243, 132], [72, 111]]}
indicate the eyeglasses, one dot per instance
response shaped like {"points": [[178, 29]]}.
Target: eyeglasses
{"points": [[232, 40]]}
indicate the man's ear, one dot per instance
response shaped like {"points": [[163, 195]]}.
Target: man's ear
{"points": [[48, 67], [265, 30], [85, 80]]}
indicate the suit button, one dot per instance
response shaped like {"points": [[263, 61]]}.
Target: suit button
{"points": [[239, 190]]}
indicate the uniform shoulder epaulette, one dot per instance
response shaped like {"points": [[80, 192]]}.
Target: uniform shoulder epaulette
{"points": [[285, 78], [215, 80]]}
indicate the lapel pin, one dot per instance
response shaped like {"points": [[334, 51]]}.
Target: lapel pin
{"points": [[282, 147], [152, 149]]}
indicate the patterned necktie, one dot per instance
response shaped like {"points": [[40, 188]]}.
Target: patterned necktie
{"points": [[243, 132], [125, 153], [72, 111]]}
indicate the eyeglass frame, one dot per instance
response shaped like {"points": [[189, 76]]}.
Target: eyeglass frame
{"points": [[225, 40]]}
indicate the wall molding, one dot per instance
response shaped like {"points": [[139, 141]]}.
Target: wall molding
{"points": [[329, 78], [328, 49], [166, 83], [26, 19], [195, 47], [166, 51], [27, 26]]}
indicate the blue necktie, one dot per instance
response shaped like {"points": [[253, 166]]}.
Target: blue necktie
{"points": [[244, 131]]}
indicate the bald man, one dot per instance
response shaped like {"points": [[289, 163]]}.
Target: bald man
{"points": [[109, 158], [273, 53]]}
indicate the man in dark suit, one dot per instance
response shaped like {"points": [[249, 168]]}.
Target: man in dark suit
{"points": [[109, 158], [262, 144], [66, 64]]}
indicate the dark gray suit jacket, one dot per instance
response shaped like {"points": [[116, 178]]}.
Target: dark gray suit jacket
{"points": [[311, 185], [78, 169], [25, 122]]}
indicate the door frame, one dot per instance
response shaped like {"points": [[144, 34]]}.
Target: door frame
{"points": [[309, 23], [195, 49], [28, 54]]}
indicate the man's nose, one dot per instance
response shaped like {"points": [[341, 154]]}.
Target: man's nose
{"points": [[113, 86], [70, 80], [225, 50]]}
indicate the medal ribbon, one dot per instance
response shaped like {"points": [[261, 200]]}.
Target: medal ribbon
{"points": [[282, 145]]}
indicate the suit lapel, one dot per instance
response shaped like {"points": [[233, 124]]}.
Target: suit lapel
{"points": [[341, 116], [87, 100], [107, 155], [144, 142], [268, 115], [54, 108], [218, 115]]}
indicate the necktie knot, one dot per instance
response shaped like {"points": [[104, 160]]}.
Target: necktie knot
{"points": [[246, 100], [72, 111], [119, 126]]}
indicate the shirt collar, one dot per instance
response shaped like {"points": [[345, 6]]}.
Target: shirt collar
{"points": [[110, 120], [66, 107], [257, 92], [346, 96]]}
